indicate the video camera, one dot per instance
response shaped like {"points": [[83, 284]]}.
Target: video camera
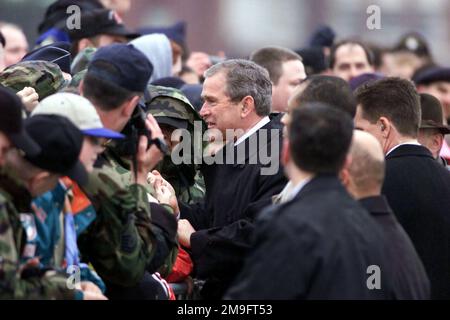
{"points": [[135, 128]]}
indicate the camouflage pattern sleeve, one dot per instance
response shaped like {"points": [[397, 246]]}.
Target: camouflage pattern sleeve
{"points": [[30, 283], [120, 242]]}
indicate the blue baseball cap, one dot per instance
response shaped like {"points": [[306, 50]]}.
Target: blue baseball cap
{"points": [[122, 65]]}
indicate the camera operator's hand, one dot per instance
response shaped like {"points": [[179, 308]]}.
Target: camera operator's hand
{"points": [[148, 159], [29, 97]]}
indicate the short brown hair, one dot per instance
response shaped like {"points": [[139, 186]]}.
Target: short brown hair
{"points": [[272, 59], [336, 46], [330, 90], [393, 98]]}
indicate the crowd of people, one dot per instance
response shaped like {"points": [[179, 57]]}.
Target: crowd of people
{"points": [[132, 168]]}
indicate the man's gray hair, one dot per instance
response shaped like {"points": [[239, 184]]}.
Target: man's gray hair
{"points": [[246, 78]]}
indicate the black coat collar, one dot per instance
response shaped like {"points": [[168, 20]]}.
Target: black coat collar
{"points": [[407, 150], [320, 183], [376, 205]]}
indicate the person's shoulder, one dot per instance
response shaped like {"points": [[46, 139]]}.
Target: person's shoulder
{"points": [[108, 176], [291, 222]]}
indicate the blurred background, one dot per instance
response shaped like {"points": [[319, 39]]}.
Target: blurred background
{"points": [[238, 27]]}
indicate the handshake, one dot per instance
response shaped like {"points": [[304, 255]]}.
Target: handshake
{"points": [[164, 192]]}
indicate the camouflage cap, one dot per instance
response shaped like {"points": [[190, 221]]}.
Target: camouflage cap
{"points": [[169, 102], [45, 77], [76, 79], [82, 60]]}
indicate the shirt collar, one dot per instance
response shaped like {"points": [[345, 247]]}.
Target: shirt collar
{"points": [[255, 128], [411, 142], [296, 189]]}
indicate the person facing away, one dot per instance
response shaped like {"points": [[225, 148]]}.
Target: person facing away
{"points": [[330, 90], [363, 179], [415, 185], [320, 244]]}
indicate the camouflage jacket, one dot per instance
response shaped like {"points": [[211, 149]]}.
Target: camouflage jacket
{"points": [[16, 280], [125, 240]]}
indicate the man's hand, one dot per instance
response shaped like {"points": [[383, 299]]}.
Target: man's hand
{"points": [[164, 195], [185, 230], [90, 291], [87, 286], [148, 159], [156, 180], [88, 295], [29, 98]]}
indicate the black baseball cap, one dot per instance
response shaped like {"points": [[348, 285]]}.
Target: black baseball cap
{"points": [[11, 123], [122, 65], [61, 142], [100, 21], [56, 14]]}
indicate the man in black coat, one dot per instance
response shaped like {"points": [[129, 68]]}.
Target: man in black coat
{"points": [[240, 178], [321, 244], [416, 186], [363, 179]]}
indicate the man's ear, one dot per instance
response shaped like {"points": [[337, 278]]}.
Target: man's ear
{"points": [[129, 106], [247, 106], [344, 174], [385, 126], [437, 142]]}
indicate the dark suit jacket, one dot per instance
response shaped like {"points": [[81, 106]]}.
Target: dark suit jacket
{"points": [[418, 189], [409, 279], [317, 246], [235, 194]]}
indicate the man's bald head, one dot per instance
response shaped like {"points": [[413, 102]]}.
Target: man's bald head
{"points": [[366, 171]]}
